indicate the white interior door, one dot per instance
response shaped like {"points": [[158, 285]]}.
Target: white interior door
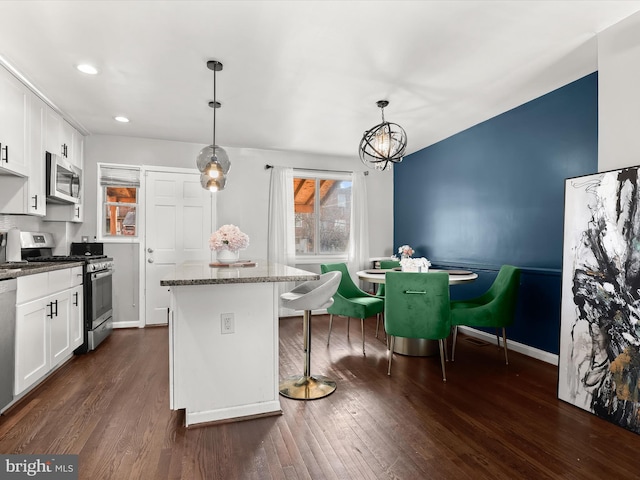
{"points": [[179, 218]]}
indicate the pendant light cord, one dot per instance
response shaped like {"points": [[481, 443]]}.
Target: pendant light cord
{"points": [[214, 109]]}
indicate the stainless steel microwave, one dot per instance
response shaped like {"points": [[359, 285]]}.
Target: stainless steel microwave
{"points": [[63, 180]]}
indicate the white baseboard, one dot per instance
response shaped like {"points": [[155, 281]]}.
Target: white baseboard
{"points": [[131, 324], [527, 350], [515, 346]]}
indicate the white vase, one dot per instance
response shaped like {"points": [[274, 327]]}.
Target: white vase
{"points": [[227, 256]]}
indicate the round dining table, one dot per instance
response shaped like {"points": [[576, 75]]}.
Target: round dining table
{"points": [[456, 277], [417, 347]]}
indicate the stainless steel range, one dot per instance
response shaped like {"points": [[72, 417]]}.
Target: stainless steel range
{"points": [[98, 272], [98, 297]]}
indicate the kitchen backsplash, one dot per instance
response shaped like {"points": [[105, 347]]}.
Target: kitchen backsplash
{"points": [[22, 222], [62, 231]]}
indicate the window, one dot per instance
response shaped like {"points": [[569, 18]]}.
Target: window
{"points": [[119, 188], [322, 205]]}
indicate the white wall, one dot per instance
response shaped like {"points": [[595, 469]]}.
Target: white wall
{"points": [[244, 201], [619, 95]]}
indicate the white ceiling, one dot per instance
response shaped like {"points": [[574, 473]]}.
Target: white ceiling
{"points": [[300, 75]]}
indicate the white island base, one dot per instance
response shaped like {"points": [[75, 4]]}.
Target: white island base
{"points": [[218, 376]]}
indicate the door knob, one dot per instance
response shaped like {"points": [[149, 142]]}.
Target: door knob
{"points": [[150, 250], [150, 260]]}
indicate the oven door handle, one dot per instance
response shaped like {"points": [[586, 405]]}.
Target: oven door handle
{"points": [[99, 275]]}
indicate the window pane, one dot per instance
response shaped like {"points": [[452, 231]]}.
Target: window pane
{"points": [[120, 211], [120, 219], [335, 215], [121, 194], [322, 215], [304, 190]]}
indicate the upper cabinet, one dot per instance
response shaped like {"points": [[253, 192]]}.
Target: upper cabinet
{"points": [[27, 195], [72, 212], [29, 128], [62, 139], [14, 122]]}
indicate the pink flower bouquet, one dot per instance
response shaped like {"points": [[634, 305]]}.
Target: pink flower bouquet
{"points": [[228, 237], [405, 251]]}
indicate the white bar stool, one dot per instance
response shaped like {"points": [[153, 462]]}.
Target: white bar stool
{"points": [[309, 296]]}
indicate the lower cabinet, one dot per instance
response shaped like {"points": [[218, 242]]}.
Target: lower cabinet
{"points": [[59, 328], [32, 344], [76, 316], [48, 329]]}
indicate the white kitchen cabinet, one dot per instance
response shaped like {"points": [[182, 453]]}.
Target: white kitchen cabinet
{"points": [[76, 316], [59, 328], [27, 195], [14, 121], [28, 128], [62, 139], [72, 212], [76, 295], [32, 344], [49, 318], [65, 213], [53, 133], [73, 142], [77, 142], [36, 195]]}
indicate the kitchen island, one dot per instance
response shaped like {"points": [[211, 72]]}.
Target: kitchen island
{"points": [[223, 340]]}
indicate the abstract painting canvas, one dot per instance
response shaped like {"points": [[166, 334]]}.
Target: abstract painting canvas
{"points": [[599, 364]]}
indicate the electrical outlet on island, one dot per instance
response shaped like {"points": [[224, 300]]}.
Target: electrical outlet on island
{"points": [[227, 323]]}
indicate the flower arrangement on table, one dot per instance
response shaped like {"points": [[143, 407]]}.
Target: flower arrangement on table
{"points": [[228, 237], [409, 264], [415, 264], [405, 251]]}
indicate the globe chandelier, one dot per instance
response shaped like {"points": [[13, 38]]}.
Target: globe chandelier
{"points": [[383, 144], [213, 161]]}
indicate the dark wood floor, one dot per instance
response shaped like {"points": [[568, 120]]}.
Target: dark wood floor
{"points": [[488, 421]]}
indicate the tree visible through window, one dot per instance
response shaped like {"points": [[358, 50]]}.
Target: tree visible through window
{"points": [[322, 215]]}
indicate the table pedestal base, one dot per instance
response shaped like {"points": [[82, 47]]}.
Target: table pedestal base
{"points": [[416, 347]]}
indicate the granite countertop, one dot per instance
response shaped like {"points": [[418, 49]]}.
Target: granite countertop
{"points": [[263, 272], [19, 269]]}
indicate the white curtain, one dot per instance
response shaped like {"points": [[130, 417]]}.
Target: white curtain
{"points": [[358, 257], [281, 247]]}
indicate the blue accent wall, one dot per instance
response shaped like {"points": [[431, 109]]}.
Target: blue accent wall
{"points": [[494, 194]]}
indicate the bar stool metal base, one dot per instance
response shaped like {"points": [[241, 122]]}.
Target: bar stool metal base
{"points": [[301, 387], [307, 386]]}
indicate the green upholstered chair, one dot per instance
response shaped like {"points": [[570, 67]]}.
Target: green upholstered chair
{"points": [[495, 308], [385, 265], [351, 301], [417, 306]]}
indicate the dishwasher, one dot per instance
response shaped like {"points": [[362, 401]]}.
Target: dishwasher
{"points": [[7, 340]]}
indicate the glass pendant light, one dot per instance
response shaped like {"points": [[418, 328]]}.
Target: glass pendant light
{"points": [[213, 184], [213, 161], [383, 144]]}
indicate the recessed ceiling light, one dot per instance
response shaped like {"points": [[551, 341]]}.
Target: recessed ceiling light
{"points": [[88, 69], [121, 119]]}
